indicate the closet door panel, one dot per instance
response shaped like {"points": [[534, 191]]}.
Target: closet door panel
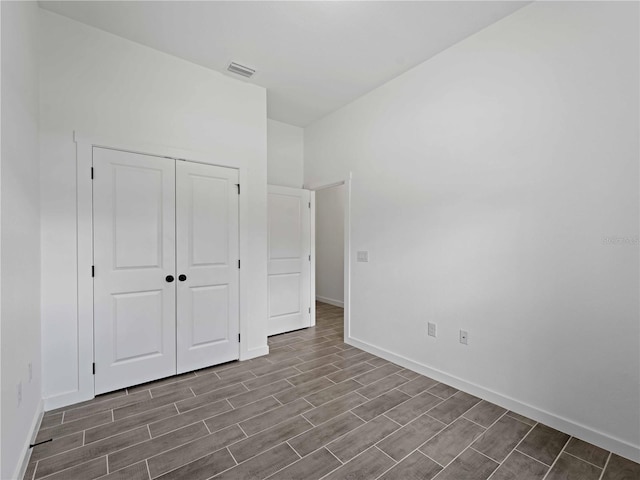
{"points": [[134, 252], [207, 259]]}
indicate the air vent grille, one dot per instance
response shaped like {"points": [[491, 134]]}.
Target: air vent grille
{"points": [[241, 70]]}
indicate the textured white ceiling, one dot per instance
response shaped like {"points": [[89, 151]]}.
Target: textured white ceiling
{"points": [[313, 57]]}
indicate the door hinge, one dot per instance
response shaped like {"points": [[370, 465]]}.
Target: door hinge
{"points": [[91, 173], [309, 309], [238, 337], [238, 185], [309, 257], [238, 263], [93, 271], [93, 366], [309, 204]]}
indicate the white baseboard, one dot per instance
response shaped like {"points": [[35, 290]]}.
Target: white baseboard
{"points": [[255, 352], [600, 439], [330, 301], [21, 468], [66, 399]]}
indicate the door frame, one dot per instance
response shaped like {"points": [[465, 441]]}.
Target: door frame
{"points": [[347, 245], [84, 224]]}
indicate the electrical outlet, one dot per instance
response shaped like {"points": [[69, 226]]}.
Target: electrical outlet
{"points": [[464, 337], [432, 329], [363, 256], [30, 367], [19, 393]]}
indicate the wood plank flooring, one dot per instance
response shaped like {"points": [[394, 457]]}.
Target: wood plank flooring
{"points": [[313, 408]]}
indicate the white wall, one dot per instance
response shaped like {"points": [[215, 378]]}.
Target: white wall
{"points": [[330, 245], [484, 183], [20, 239], [284, 154], [103, 85]]}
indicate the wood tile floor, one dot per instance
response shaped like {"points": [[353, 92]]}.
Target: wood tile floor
{"points": [[313, 408]]}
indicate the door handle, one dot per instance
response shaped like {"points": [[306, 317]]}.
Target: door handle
{"points": [[169, 278], [182, 277]]}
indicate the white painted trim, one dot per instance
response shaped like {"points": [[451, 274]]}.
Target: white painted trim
{"points": [[347, 245], [255, 352], [562, 424], [21, 468], [347, 257], [312, 251], [325, 186], [84, 285], [330, 301], [84, 218]]}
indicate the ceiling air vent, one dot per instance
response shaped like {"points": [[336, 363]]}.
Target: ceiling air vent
{"points": [[241, 70]]}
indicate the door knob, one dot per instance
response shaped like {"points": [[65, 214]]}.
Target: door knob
{"points": [[169, 278], [182, 277]]}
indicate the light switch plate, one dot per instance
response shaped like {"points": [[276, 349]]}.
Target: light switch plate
{"points": [[432, 329], [363, 256]]}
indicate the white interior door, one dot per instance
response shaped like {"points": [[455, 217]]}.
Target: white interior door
{"points": [[207, 265], [289, 257], [134, 259]]}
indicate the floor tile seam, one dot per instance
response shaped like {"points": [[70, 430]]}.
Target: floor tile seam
{"points": [[307, 455], [397, 423], [384, 453], [487, 456], [148, 469], [486, 429], [246, 419], [76, 431], [555, 460], [226, 447], [320, 391], [511, 416], [247, 460], [583, 460], [417, 449], [168, 449], [510, 451], [324, 445], [70, 467], [526, 454], [150, 439], [99, 440], [343, 464], [436, 395], [234, 458], [385, 392], [35, 468], [375, 444], [606, 464], [342, 413], [128, 429], [71, 408], [274, 426], [274, 371], [155, 408]]}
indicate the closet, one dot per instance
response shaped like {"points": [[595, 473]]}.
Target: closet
{"points": [[166, 267]]}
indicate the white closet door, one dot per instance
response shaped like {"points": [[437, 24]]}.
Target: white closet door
{"points": [[207, 265], [289, 261], [134, 258]]}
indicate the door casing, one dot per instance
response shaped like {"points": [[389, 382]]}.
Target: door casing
{"points": [[84, 145]]}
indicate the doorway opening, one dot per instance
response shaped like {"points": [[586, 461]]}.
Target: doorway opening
{"points": [[332, 250]]}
